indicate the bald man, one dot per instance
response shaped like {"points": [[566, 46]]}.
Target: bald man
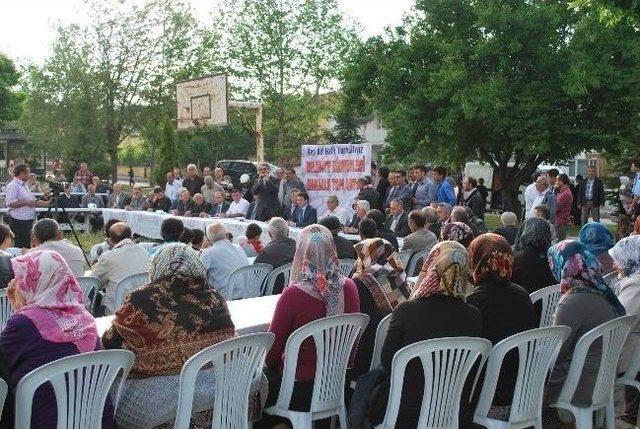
{"points": [[221, 259]]}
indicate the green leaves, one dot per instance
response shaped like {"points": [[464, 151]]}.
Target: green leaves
{"points": [[10, 98]]}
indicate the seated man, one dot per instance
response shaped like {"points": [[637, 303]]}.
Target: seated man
{"points": [[105, 246], [77, 187], [138, 201], [184, 205], [238, 207], [67, 200], [289, 208], [361, 207], [344, 247], [117, 199], [334, 209], [201, 208], [91, 198], [221, 259], [305, 214], [431, 220], [219, 206], [508, 227], [420, 237], [367, 228], [158, 201], [280, 249], [383, 232], [47, 236], [397, 222], [125, 258], [171, 231]]}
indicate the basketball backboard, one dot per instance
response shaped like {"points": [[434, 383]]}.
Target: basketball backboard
{"points": [[202, 102]]}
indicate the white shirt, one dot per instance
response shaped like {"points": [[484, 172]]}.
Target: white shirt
{"points": [[171, 190], [531, 194], [242, 206], [71, 254], [338, 212]]}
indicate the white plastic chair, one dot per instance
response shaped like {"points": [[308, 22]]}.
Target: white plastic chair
{"points": [[550, 297], [629, 376], [404, 256], [347, 266], [236, 363], [4, 389], [334, 338], [537, 352], [89, 284], [410, 270], [447, 363], [5, 308], [613, 334], [381, 335], [247, 281], [284, 270], [126, 285], [81, 384]]}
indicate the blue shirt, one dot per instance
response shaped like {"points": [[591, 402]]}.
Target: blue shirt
{"points": [[445, 194], [220, 260], [425, 193]]}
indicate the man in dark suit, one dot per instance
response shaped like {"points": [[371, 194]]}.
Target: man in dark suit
{"points": [[266, 188], [219, 206], [290, 182], [383, 232], [591, 196], [368, 192], [398, 221], [304, 214], [280, 249], [344, 247], [473, 200], [289, 209]]}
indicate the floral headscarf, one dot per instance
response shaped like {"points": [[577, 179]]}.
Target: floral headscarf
{"points": [[596, 238], [444, 272], [177, 259], [316, 269], [458, 231], [54, 300], [578, 270], [491, 258], [535, 233], [626, 255], [380, 270]]}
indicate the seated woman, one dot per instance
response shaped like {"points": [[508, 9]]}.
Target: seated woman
{"points": [[531, 266], [457, 231], [505, 307], [251, 244], [587, 302], [381, 284], [626, 261], [598, 240], [317, 289], [164, 323], [49, 323], [436, 309]]}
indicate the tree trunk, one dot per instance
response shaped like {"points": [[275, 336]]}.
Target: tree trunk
{"points": [[511, 180]]}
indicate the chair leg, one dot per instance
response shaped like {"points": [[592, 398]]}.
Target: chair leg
{"points": [[342, 416], [301, 420], [584, 418], [538, 423]]}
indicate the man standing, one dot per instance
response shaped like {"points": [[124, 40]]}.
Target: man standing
{"points": [[423, 191], [172, 186], [209, 188], [398, 222], [334, 209], [47, 236], [304, 214], [564, 200], [484, 192], [400, 190], [444, 190], [221, 259], [280, 249], [291, 181], [193, 181], [368, 192], [83, 174], [546, 195], [266, 187], [473, 200], [591, 196], [22, 206]]}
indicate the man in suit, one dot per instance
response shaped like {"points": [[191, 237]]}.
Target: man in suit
{"points": [[400, 189], [397, 221], [292, 206], [344, 247], [362, 208], [383, 232], [420, 237], [280, 249], [117, 199], [266, 187], [591, 196], [304, 214], [473, 200], [368, 192], [219, 206], [291, 181]]}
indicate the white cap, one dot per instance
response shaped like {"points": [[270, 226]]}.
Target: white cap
{"points": [[244, 178]]}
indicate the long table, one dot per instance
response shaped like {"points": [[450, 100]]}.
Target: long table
{"points": [[248, 315], [72, 212]]}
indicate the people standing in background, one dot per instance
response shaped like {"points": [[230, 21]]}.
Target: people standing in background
{"points": [[552, 175], [209, 188], [266, 187], [400, 189], [545, 196], [564, 200], [383, 185], [576, 213], [591, 196], [83, 174], [423, 190], [172, 186], [290, 181], [131, 176], [472, 197], [281, 182], [625, 209], [221, 179], [444, 190], [193, 182], [367, 192], [484, 192]]}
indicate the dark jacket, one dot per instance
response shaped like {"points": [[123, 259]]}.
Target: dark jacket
{"points": [[183, 207], [402, 226], [68, 202], [382, 188], [371, 195], [597, 197], [163, 204], [277, 253], [309, 217], [268, 205], [287, 212], [388, 235], [344, 247], [506, 310], [219, 208], [531, 270], [203, 208], [193, 185], [416, 320], [475, 202], [508, 232], [436, 228]]}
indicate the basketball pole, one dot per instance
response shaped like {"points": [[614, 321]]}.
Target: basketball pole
{"points": [[257, 107]]}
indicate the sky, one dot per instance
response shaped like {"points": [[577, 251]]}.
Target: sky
{"points": [[27, 28]]}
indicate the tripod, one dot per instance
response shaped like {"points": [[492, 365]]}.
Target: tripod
{"points": [[55, 204]]}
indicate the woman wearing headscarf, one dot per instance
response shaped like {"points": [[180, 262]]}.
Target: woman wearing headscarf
{"points": [[598, 240], [587, 302], [381, 283], [531, 265], [164, 323], [436, 309], [505, 307], [317, 289], [49, 323], [626, 261], [457, 231]]}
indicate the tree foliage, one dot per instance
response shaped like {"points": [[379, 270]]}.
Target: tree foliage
{"points": [[10, 98], [168, 154]]}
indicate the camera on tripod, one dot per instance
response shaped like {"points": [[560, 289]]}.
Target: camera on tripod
{"points": [[57, 188]]}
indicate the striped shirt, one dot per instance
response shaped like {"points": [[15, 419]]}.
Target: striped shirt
{"points": [[17, 190]]}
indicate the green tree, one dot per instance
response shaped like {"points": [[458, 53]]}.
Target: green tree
{"points": [[503, 82], [10, 98], [168, 154]]}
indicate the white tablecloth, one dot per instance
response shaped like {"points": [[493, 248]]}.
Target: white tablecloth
{"points": [[249, 315]]}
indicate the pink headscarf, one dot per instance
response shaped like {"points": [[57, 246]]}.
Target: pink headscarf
{"points": [[54, 300]]}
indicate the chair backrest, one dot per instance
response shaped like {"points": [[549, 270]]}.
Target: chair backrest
{"points": [[537, 351], [5, 308], [89, 284], [334, 338], [81, 384], [613, 335], [269, 283], [247, 281], [550, 297], [405, 256], [347, 266], [236, 363], [416, 258], [381, 335], [611, 278], [127, 284], [447, 363]]}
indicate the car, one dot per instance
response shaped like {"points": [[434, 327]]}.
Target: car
{"points": [[235, 168]]}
